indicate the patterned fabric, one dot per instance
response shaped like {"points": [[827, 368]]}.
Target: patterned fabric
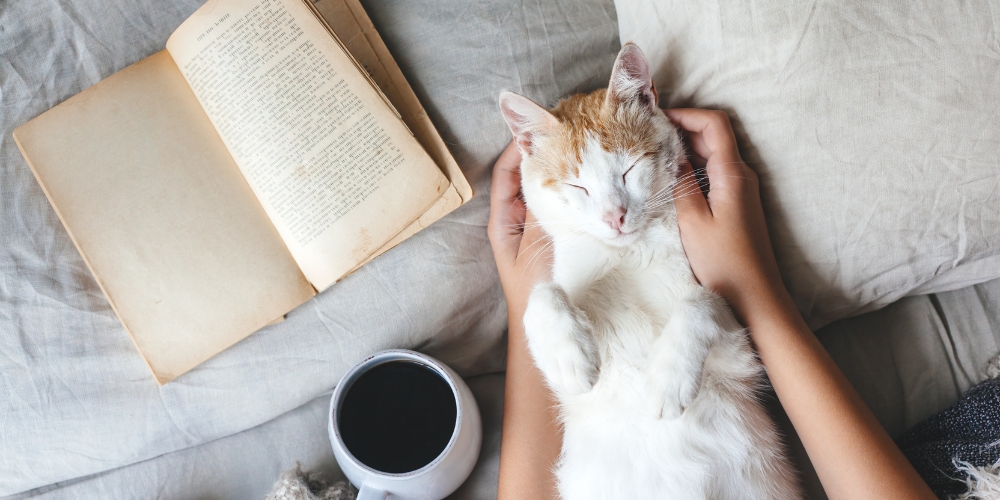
{"points": [[968, 431]]}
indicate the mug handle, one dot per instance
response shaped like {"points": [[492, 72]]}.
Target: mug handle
{"points": [[371, 493]]}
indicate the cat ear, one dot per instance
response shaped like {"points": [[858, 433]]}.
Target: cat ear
{"points": [[630, 80], [525, 119]]}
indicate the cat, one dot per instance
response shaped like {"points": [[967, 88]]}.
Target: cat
{"points": [[656, 381]]}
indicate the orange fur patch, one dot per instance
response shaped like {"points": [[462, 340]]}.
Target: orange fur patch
{"points": [[618, 127]]}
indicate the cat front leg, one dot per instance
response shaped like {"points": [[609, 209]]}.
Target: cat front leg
{"points": [[561, 340], [677, 356]]}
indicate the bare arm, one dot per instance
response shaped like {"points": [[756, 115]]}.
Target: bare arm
{"points": [[726, 240], [532, 438]]}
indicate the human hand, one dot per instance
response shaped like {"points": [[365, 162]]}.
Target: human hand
{"points": [[725, 235], [520, 246], [726, 241], [532, 436]]}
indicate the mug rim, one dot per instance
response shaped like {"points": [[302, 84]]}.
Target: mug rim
{"points": [[376, 359]]}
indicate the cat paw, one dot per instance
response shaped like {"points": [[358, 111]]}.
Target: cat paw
{"points": [[671, 392], [560, 341], [577, 371]]}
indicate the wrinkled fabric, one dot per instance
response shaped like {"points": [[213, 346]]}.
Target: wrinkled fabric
{"points": [[75, 396], [81, 417], [908, 361], [246, 465], [912, 359], [917, 356], [874, 128]]}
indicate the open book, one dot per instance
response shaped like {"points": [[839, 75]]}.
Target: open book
{"points": [[270, 150]]}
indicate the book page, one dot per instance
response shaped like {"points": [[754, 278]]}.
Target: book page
{"points": [[348, 19], [335, 169], [162, 216]]}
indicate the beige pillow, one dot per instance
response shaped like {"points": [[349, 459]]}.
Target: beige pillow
{"points": [[874, 127]]}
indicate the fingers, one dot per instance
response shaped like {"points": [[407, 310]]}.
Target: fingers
{"points": [[699, 147], [507, 210], [711, 133], [694, 154], [506, 181], [688, 198], [536, 250], [711, 136], [533, 232]]}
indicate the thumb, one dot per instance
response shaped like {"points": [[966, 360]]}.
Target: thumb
{"points": [[688, 198]]}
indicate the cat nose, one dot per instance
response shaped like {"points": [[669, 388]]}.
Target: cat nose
{"points": [[615, 218]]}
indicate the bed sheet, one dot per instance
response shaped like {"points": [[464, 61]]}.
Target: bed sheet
{"points": [[908, 361], [914, 357], [75, 397], [80, 415], [246, 465]]}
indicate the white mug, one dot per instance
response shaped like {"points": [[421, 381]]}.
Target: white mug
{"points": [[441, 476]]}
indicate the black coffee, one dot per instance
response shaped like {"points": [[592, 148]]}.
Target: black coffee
{"points": [[398, 416]]}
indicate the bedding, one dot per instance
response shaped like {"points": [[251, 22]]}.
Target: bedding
{"points": [[80, 416], [908, 361], [915, 357], [77, 399], [873, 127], [245, 466]]}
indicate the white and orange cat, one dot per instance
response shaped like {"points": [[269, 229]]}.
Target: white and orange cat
{"points": [[656, 380]]}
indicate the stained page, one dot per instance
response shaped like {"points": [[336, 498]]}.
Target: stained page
{"points": [[335, 169], [162, 216], [349, 20]]}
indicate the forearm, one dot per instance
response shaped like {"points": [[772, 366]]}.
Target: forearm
{"points": [[532, 438], [853, 455]]}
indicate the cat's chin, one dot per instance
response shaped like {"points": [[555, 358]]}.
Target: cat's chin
{"points": [[621, 239]]}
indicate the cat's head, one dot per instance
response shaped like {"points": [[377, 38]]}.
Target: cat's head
{"points": [[601, 163]]}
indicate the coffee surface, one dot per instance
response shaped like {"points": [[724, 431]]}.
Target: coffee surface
{"points": [[398, 417]]}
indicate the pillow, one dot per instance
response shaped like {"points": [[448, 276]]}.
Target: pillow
{"points": [[874, 128]]}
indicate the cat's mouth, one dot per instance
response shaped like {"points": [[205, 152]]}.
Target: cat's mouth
{"points": [[624, 237]]}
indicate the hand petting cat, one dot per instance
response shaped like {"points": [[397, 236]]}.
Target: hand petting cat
{"points": [[532, 435], [724, 235], [726, 241], [655, 382], [519, 244]]}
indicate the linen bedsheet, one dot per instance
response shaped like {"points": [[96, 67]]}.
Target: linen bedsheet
{"points": [[908, 361], [80, 415], [75, 397]]}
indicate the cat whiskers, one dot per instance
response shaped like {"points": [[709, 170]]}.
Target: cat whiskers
{"points": [[685, 185], [534, 252]]}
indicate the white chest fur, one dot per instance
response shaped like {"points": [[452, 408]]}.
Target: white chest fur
{"points": [[655, 379]]}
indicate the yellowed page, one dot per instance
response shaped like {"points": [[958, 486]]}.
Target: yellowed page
{"points": [[162, 216], [348, 19], [337, 172], [350, 22], [443, 206]]}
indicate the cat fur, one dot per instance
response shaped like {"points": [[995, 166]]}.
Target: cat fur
{"points": [[657, 384]]}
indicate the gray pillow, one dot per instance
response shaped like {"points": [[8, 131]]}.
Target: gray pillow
{"points": [[874, 127]]}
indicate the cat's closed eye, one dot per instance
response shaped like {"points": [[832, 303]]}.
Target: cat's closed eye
{"points": [[627, 171], [579, 187]]}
